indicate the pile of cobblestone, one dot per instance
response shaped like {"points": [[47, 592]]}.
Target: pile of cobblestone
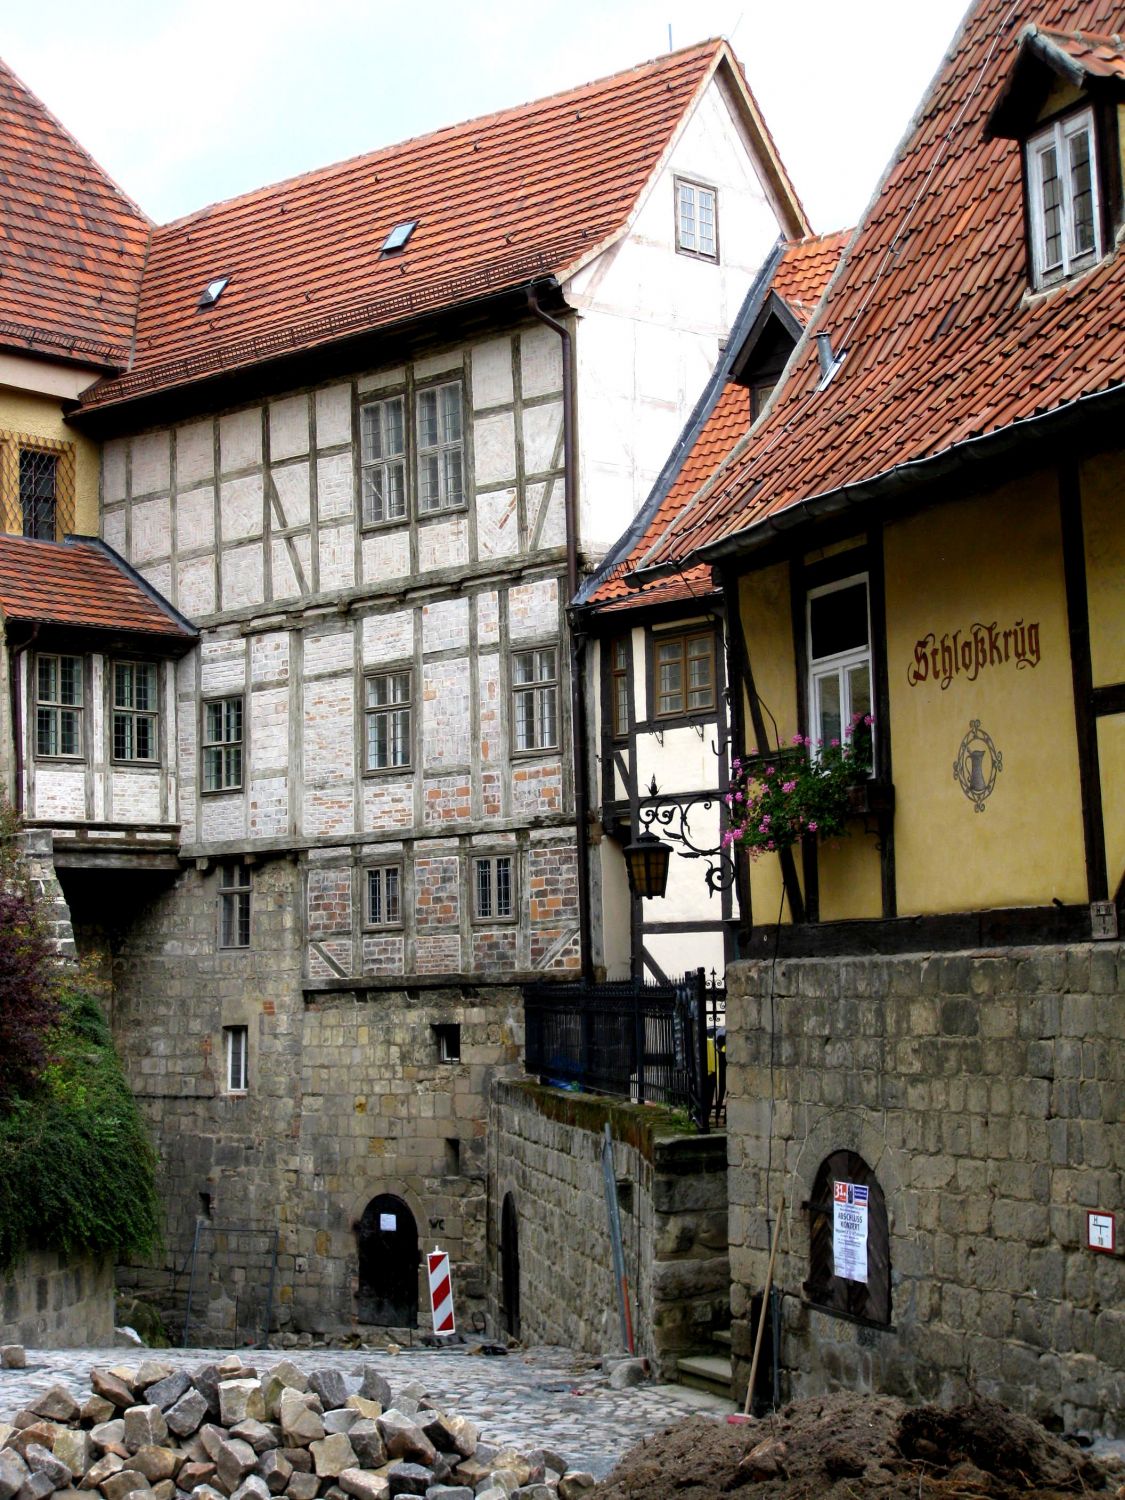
{"points": [[227, 1432]]}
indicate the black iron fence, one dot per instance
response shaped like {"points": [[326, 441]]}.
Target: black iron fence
{"points": [[651, 1043]]}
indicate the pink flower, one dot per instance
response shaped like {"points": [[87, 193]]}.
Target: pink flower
{"points": [[788, 786], [834, 743], [808, 742], [771, 844], [796, 740], [738, 796], [812, 825], [869, 719], [768, 771]]}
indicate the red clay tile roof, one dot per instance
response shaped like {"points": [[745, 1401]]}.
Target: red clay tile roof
{"points": [[83, 584], [930, 308], [530, 191], [800, 278], [1097, 56], [72, 243]]}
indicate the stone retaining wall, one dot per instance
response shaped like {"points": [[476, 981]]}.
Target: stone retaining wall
{"points": [[545, 1150], [985, 1093], [52, 1301]]}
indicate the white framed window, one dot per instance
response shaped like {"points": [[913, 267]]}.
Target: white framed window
{"points": [[387, 720], [535, 699], [440, 430], [494, 888], [222, 745], [383, 460], [447, 1038], [58, 707], [234, 906], [839, 647], [135, 712], [384, 896], [236, 1041], [1064, 209], [697, 230]]}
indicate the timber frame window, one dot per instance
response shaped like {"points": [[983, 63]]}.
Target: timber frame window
{"points": [[222, 745], [846, 1195], [1064, 203], [383, 460], [387, 720], [384, 896], [430, 419], [234, 905], [535, 699], [58, 707], [619, 669], [135, 717], [697, 222], [236, 1045], [683, 674], [839, 649], [494, 888]]}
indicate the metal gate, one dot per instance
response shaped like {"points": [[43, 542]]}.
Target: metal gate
{"points": [[230, 1292]]}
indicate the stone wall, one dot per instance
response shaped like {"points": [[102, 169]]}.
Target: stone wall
{"points": [[545, 1150], [54, 1301], [347, 1098], [985, 1093]]}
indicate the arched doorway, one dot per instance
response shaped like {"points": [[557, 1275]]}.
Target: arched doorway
{"points": [[387, 1239], [510, 1266]]}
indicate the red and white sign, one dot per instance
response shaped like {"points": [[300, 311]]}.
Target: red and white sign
{"points": [[441, 1291], [1100, 1232]]}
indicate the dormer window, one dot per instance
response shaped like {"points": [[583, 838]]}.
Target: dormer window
{"points": [[1063, 207], [213, 291]]}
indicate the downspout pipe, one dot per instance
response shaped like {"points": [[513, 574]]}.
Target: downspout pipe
{"points": [[577, 641], [14, 654]]}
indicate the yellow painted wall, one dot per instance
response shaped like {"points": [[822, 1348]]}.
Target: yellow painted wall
{"points": [[1103, 524], [997, 559], [1111, 756], [41, 416]]}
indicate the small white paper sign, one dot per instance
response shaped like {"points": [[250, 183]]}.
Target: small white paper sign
{"points": [[1099, 1231], [388, 1221], [849, 1230]]}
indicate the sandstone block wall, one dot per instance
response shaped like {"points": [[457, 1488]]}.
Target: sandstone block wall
{"points": [[54, 1301], [985, 1092], [348, 1098], [545, 1150]]}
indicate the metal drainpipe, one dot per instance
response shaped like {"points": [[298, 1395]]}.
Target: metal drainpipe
{"points": [[577, 642], [14, 654]]}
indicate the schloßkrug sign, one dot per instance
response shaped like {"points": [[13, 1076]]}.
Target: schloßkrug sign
{"points": [[966, 653]]}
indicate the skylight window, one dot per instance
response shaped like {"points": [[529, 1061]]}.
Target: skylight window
{"points": [[213, 291], [398, 237]]}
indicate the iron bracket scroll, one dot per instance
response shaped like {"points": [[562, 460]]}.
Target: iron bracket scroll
{"points": [[670, 817]]}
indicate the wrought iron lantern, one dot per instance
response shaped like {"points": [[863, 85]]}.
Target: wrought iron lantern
{"points": [[646, 860]]}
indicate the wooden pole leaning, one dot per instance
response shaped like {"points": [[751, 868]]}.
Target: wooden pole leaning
{"points": [[765, 1304]]}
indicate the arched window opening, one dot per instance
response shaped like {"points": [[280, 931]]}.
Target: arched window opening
{"points": [[849, 1241]]}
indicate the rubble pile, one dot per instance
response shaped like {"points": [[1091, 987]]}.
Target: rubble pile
{"points": [[224, 1432]]}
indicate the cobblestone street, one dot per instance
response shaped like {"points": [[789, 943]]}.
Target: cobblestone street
{"points": [[542, 1397]]}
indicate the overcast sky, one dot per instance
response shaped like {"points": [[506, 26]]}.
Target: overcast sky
{"points": [[185, 103]]}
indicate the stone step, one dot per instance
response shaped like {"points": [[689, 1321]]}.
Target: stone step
{"points": [[722, 1337], [705, 1372]]}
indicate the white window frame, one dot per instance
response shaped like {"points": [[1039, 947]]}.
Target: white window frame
{"points": [[441, 451], [129, 712], [381, 462], [1057, 137], [697, 232], [56, 707], [384, 879], [447, 1036], [838, 664], [390, 710], [486, 882], [227, 751], [542, 692], [236, 1048]]}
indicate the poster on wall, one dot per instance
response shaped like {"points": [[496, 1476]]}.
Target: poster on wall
{"points": [[849, 1230]]}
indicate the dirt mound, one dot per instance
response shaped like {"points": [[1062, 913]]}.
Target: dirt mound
{"points": [[845, 1446]]}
